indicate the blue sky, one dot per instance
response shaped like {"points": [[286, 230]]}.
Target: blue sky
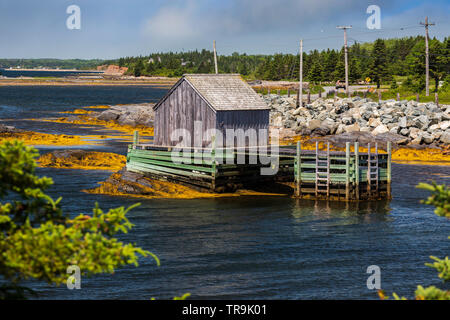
{"points": [[113, 28]]}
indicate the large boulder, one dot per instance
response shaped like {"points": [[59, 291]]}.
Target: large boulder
{"points": [[380, 129], [445, 137], [109, 115], [352, 128]]}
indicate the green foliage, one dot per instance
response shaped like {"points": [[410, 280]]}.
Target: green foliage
{"points": [[183, 297], [394, 85], [379, 60], [440, 198], [37, 240], [408, 84], [378, 69], [52, 63]]}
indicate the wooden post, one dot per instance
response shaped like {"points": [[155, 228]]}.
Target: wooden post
{"points": [[345, 55], [309, 97], [357, 170], [436, 98], [268, 90], [298, 173], [288, 92], [347, 171], [398, 96], [427, 64], [213, 163], [335, 93], [328, 170], [320, 93], [389, 170], [300, 85], [278, 92], [379, 96], [417, 97], [135, 137], [365, 94]]}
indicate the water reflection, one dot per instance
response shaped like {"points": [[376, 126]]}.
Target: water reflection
{"points": [[364, 211]]}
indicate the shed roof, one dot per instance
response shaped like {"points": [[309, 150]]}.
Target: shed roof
{"points": [[223, 92]]}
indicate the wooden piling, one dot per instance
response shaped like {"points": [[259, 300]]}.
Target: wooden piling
{"points": [[379, 96], [436, 98], [135, 137], [288, 92], [347, 170], [328, 170], [317, 169], [389, 169], [417, 97], [213, 163], [356, 170], [278, 92], [308, 97], [369, 191], [298, 172]]}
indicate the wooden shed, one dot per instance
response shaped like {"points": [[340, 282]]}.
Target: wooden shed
{"points": [[219, 101]]}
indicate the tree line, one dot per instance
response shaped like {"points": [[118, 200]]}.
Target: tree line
{"points": [[79, 64], [379, 60]]}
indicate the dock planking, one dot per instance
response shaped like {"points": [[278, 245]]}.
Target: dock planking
{"points": [[312, 174]]}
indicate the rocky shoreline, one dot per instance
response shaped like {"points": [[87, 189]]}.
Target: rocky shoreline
{"points": [[402, 122]]}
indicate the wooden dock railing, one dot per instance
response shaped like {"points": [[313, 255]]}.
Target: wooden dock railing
{"points": [[313, 174]]}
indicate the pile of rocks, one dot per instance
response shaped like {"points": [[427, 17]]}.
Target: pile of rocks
{"points": [[132, 115], [417, 123]]}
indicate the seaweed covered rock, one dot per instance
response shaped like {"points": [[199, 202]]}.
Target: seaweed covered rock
{"points": [[82, 159]]}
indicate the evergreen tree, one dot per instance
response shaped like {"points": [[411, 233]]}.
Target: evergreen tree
{"points": [[138, 68], [378, 68]]}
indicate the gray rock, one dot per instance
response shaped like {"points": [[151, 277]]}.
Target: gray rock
{"points": [[313, 124], [380, 129], [427, 138], [445, 137], [352, 128], [109, 115]]}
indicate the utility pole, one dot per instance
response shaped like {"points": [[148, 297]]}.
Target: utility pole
{"points": [[215, 57], [427, 66], [345, 56], [300, 89]]}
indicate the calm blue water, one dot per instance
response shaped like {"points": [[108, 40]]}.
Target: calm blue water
{"points": [[247, 248], [39, 73]]}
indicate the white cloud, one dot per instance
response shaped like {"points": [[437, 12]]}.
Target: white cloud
{"points": [[172, 22]]}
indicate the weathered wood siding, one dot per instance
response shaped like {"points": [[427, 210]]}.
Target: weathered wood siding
{"points": [[180, 110], [184, 107], [245, 120]]}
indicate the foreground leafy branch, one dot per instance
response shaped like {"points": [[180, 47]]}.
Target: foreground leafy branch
{"points": [[38, 240]]}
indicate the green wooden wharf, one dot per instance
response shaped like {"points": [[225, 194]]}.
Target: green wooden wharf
{"points": [[312, 174]]}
